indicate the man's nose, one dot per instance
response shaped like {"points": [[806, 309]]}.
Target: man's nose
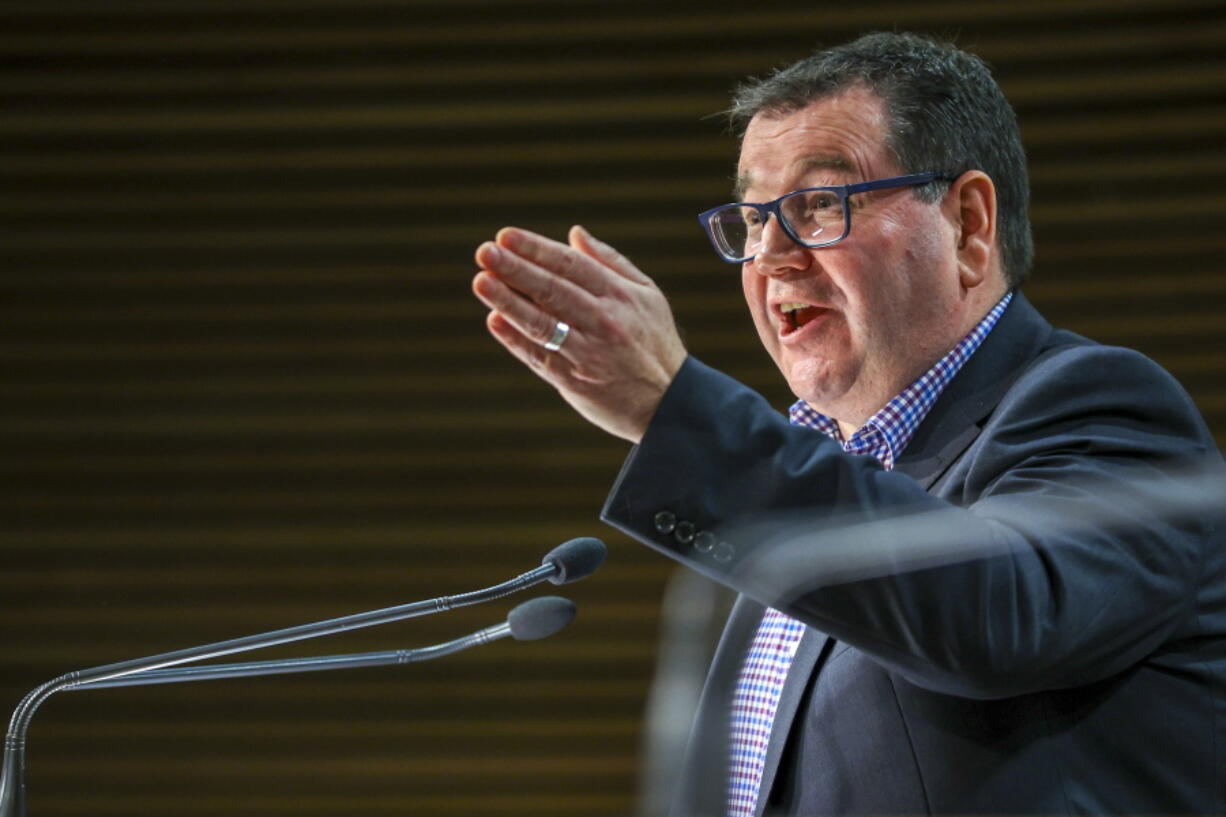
{"points": [[777, 252]]}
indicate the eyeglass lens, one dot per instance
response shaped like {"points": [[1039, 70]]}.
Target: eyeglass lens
{"points": [[813, 216]]}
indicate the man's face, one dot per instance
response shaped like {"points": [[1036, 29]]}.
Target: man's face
{"points": [[881, 306]]}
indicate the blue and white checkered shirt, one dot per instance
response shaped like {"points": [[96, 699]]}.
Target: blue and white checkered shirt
{"points": [[760, 683]]}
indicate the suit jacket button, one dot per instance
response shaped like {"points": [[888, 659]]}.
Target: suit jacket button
{"points": [[704, 540], [722, 552], [684, 534], [665, 521]]}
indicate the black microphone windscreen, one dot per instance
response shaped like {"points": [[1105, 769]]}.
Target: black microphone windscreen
{"points": [[575, 559], [540, 618]]}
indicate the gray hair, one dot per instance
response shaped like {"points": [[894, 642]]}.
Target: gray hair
{"points": [[946, 114]]}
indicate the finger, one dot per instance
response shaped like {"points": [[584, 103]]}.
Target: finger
{"points": [[527, 319], [550, 291], [588, 244], [549, 366], [566, 262]]}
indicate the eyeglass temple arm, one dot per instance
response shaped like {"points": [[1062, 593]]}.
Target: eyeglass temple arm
{"points": [[899, 181]]}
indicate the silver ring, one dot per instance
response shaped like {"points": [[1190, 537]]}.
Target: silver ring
{"points": [[560, 331]]}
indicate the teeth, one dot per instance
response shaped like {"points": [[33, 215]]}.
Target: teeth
{"points": [[791, 307]]}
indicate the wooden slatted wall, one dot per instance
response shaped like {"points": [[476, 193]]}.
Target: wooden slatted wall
{"points": [[244, 386]]}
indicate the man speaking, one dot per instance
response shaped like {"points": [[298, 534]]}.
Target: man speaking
{"points": [[1072, 658]]}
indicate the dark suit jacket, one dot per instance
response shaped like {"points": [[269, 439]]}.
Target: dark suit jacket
{"points": [[1053, 643]]}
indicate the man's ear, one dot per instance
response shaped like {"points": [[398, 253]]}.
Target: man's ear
{"points": [[972, 203]]}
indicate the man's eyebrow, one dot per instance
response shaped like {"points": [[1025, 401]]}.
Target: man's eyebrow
{"points": [[825, 162], [804, 166]]}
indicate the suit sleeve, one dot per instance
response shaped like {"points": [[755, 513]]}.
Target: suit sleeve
{"points": [[1059, 549]]}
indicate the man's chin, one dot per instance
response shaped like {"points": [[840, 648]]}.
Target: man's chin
{"points": [[819, 387]]}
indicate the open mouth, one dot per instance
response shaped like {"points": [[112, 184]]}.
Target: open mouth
{"points": [[796, 315]]}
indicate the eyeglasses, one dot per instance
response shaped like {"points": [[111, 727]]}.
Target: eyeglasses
{"points": [[812, 217]]}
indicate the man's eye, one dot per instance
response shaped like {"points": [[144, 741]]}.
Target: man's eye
{"points": [[821, 201], [817, 206]]}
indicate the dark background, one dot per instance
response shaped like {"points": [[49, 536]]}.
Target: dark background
{"points": [[244, 385]]}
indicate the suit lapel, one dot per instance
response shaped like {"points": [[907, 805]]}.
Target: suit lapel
{"points": [[927, 470], [811, 647], [958, 415], [704, 783], [708, 753]]}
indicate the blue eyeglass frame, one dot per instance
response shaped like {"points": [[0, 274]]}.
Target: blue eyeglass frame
{"points": [[765, 209]]}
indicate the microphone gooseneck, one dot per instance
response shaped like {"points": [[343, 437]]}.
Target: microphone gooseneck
{"points": [[535, 619], [568, 562]]}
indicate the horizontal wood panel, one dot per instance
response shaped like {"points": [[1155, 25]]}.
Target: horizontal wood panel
{"points": [[245, 386]]}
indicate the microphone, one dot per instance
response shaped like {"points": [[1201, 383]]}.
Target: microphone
{"points": [[540, 618], [530, 621], [568, 562], [576, 559]]}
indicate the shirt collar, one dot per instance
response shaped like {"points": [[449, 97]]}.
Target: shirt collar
{"points": [[887, 432]]}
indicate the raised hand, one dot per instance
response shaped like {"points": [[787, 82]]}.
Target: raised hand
{"points": [[617, 347]]}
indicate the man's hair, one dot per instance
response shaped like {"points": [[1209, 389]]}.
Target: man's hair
{"points": [[946, 114]]}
